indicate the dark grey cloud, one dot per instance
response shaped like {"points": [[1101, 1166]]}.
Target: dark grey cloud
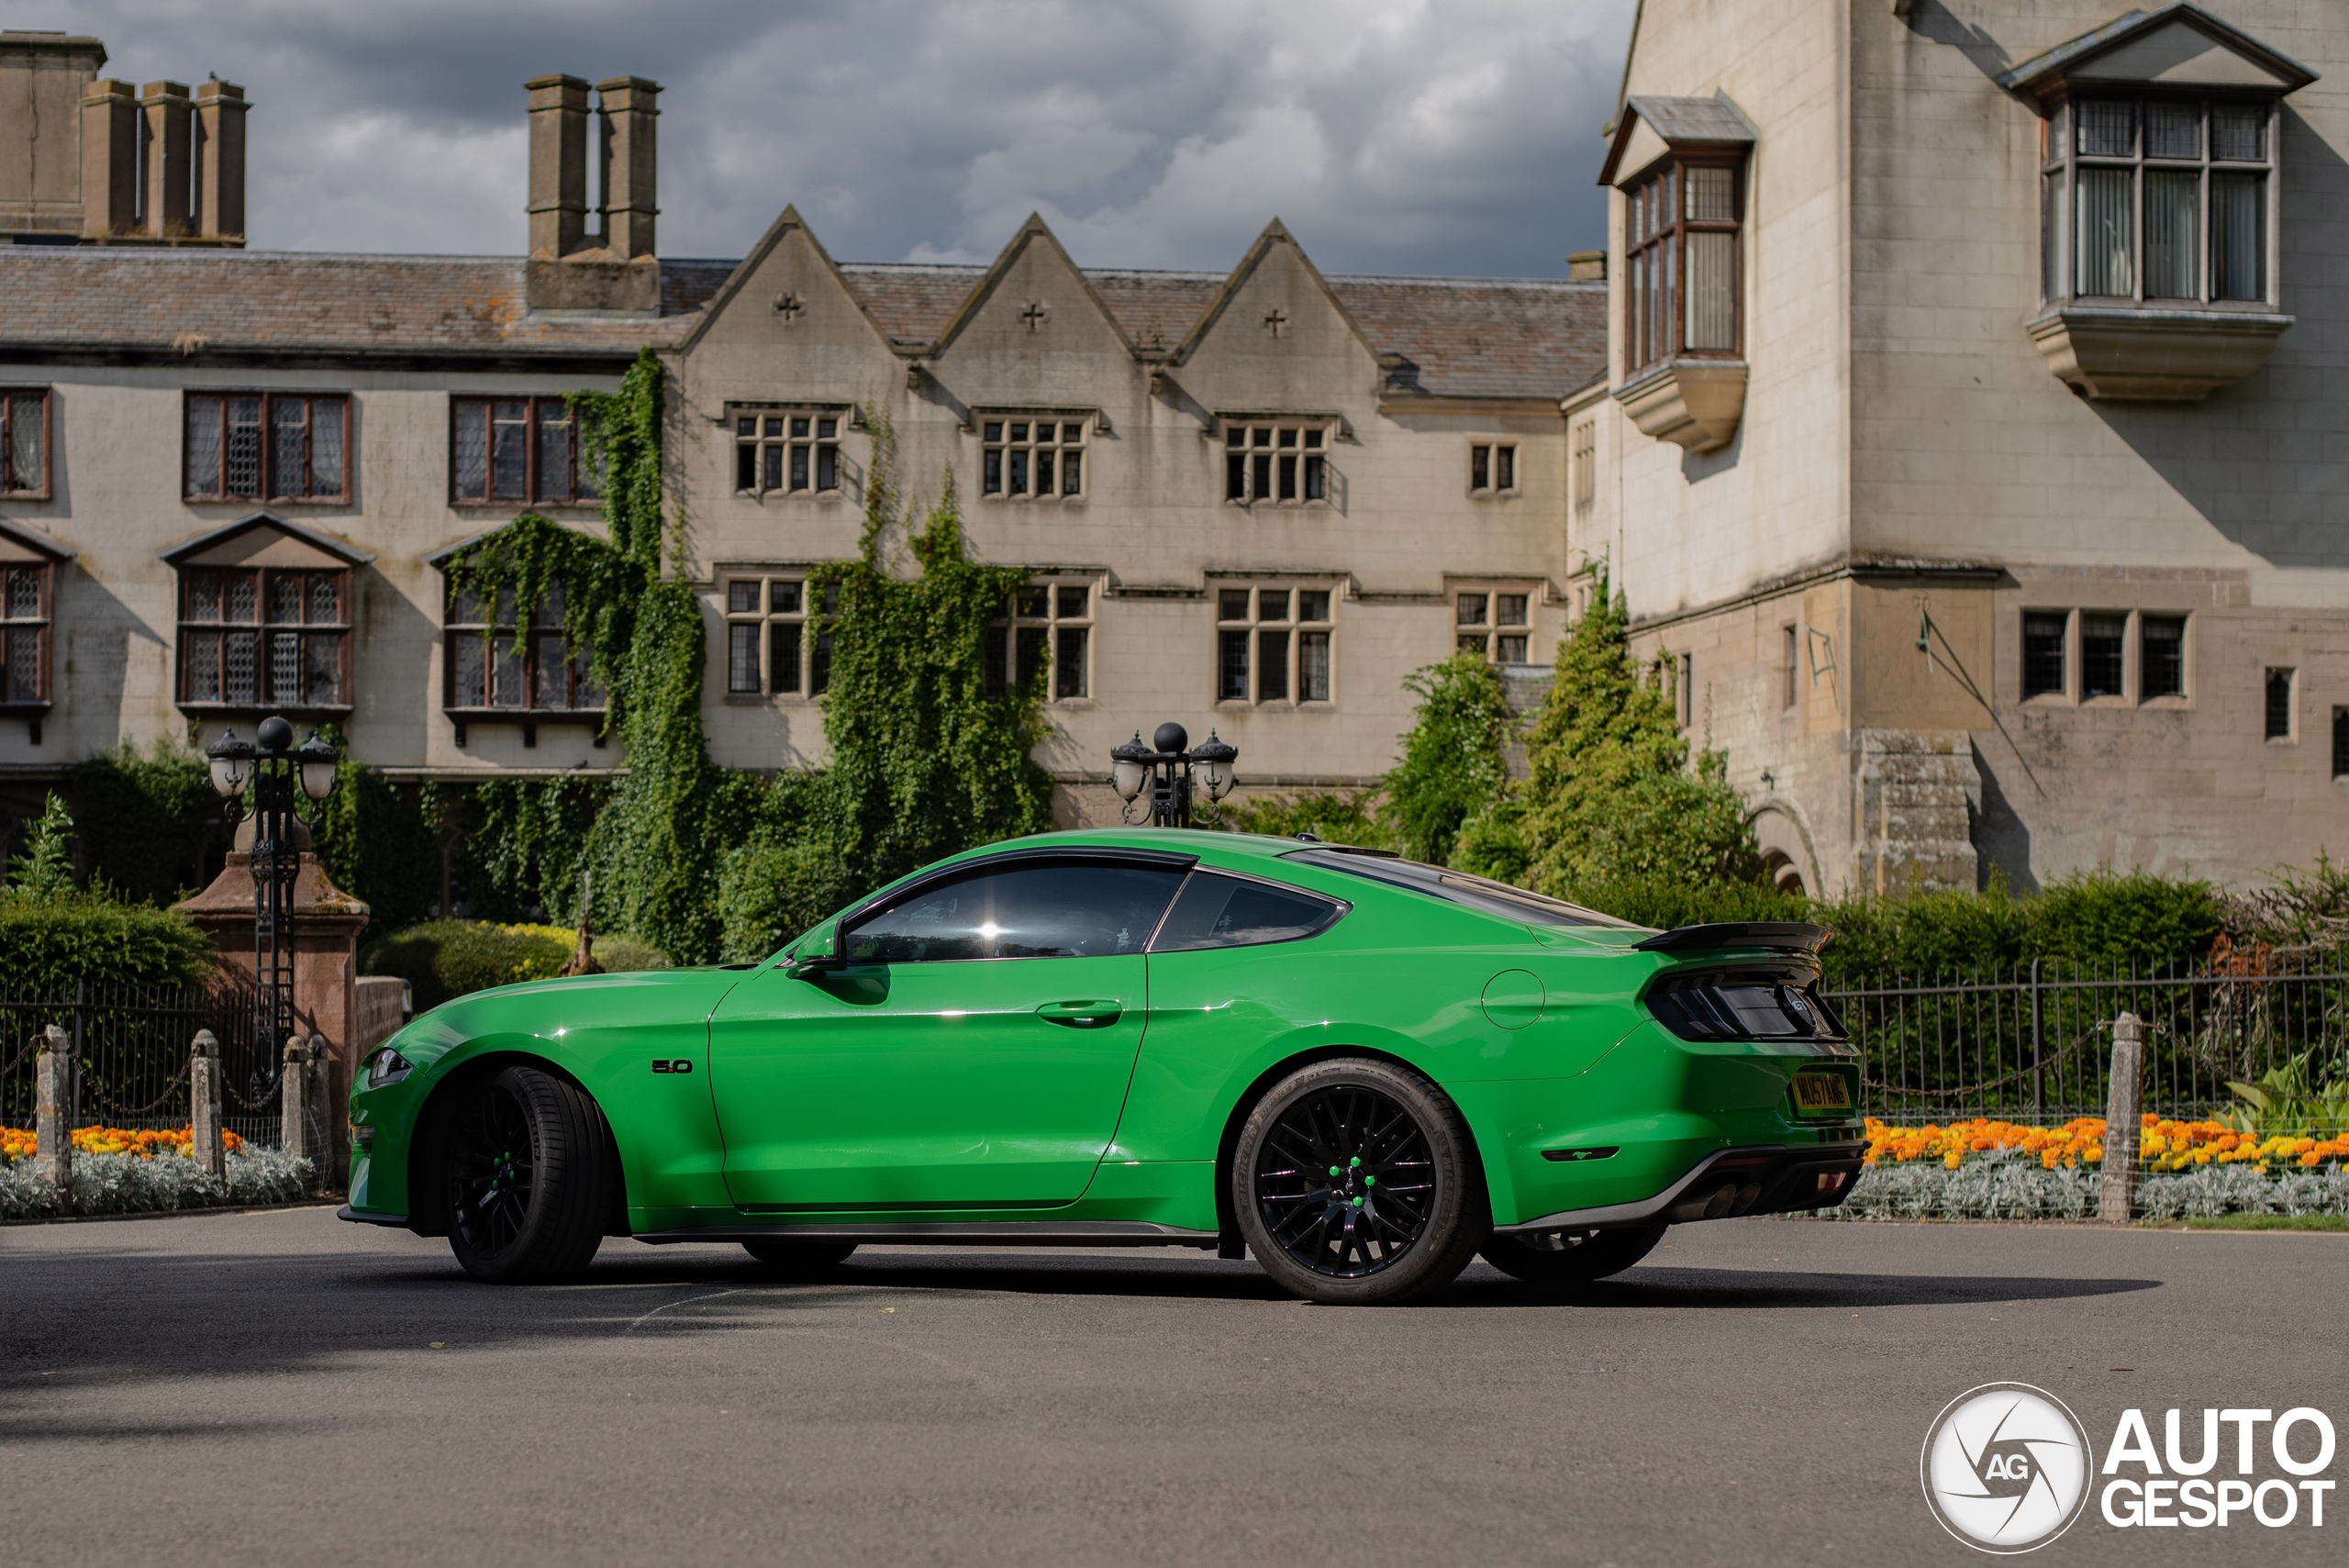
{"points": [[1391, 135]]}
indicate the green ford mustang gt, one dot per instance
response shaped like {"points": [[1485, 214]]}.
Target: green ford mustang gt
{"points": [[1362, 1070]]}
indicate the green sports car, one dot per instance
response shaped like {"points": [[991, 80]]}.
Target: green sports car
{"points": [[1359, 1069]]}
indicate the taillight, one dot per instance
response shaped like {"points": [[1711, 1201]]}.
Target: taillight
{"points": [[1743, 1006]]}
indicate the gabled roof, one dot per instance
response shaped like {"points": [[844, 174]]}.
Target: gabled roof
{"points": [[38, 543], [714, 306], [1679, 123], [2178, 45], [1276, 233], [1035, 230], [341, 552]]}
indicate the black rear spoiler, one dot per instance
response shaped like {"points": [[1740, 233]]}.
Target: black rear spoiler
{"points": [[1791, 936]]}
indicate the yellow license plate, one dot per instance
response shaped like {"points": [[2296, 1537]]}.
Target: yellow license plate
{"points": [[1821, 1092]]}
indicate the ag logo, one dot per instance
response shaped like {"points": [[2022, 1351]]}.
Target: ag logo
{"points": [[2006, 1467]]}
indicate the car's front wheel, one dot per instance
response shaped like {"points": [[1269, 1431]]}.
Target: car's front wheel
{"points": [[529, 1174], [1568, 1257], [1355, 1183]]}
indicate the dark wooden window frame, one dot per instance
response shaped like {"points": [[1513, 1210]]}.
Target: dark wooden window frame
{"points": [[532, 487], [1637, 248], [45, 577], [268, 485], [260, 627], [530, 715], [47, 443], [1292, 626]]}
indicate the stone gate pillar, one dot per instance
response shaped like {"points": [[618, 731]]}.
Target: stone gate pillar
{"points": [[327, 923]]}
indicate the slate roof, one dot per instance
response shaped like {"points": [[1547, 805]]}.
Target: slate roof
{"points": [[1458, 337]]}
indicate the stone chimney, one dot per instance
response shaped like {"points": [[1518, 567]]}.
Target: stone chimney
{"points": [[43, 77], [166, 141], [567, 267], [558, 166], [1586, 266], [626, 106], [109, 160], [221, 162]]}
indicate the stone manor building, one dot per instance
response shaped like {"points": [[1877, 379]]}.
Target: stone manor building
{"points": [[1957, 401], [1252, 502]]}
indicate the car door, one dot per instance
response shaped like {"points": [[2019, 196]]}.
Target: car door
{"points": [[972, 1051]]}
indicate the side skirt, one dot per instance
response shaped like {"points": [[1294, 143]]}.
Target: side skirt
{"points": [[1002, 1233]]}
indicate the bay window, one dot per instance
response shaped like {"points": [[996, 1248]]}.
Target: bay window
{"points": [[1681, 243], [2157, 201]]}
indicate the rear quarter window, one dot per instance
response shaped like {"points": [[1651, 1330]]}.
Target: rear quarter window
{"points": [[1214, 911]]}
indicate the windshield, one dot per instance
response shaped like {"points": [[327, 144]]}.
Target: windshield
{"points": [[1459, 887]]}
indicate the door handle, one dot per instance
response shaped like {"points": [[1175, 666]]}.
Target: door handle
{"points": [[1082, 1015]]}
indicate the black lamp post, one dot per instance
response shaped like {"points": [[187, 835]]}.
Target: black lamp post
{"points": [[1168, 771], [274, 768]]}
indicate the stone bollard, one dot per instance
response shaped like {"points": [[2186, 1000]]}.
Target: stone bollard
{"points": [[53, 1114], [2117, 1195], [293, 1101], [208, 1149]]}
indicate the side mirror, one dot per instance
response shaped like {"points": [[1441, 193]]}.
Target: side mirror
{"points": [[811, 968], [813, 956]]}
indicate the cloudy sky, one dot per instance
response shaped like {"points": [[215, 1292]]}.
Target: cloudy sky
{"points": [[1459, 137]]}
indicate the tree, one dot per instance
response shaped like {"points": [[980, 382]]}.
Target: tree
{"points": [[1452, 764], [1612, 794]]}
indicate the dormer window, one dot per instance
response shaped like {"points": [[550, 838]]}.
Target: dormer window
{"points": [[2160, 204]]}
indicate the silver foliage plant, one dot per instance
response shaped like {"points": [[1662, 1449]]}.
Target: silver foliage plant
{"points": [[125, 1183], [2012, 1186]]}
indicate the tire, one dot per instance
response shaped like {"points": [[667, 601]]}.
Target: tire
{"points": [[1571, 1258], [531, 1178], [1355, 1185], [799, 1260]]}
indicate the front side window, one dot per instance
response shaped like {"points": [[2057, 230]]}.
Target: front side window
{"points": [[24, 441], [518, 451], [495, 662], [1273, 644], [264, 638], [1034, 460], [1046, 633], [24, 633], [1682, 261], [778, 641], [1079, 910], [2158, 200], [268, 446], [1275, 464], [794, 454]]}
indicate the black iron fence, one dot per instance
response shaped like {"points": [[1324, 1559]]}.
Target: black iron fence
{"points": [[130, 1044], [2033, 1043]]}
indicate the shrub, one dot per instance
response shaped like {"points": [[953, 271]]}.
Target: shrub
{"points": [[444, 958], [771, 890], [142, 818], [1452, 767], [48, 944], [1342, 820], [125, 1183]]}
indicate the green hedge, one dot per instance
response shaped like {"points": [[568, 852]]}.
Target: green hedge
{"points": [[47, 944], [442, 959]]}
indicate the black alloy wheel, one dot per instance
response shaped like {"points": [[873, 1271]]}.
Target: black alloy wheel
{"points": [[1354, 1183], [531, 1176], [1570, 1257]]}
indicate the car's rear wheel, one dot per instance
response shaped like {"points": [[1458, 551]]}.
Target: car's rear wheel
{"points": [[1570, 1257], [799, 1259], [529, 1175], [1355, 1183]]}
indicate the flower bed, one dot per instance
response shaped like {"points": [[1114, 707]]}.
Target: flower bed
{"points": [[2164, 1144], [121, 1171]]}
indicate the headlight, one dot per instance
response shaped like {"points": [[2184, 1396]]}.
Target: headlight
{"points": [[387, 1066]]}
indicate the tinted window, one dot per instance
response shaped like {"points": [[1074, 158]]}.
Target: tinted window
{"points": [[1225, 912], [1081, 910], [1459, 887]]}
